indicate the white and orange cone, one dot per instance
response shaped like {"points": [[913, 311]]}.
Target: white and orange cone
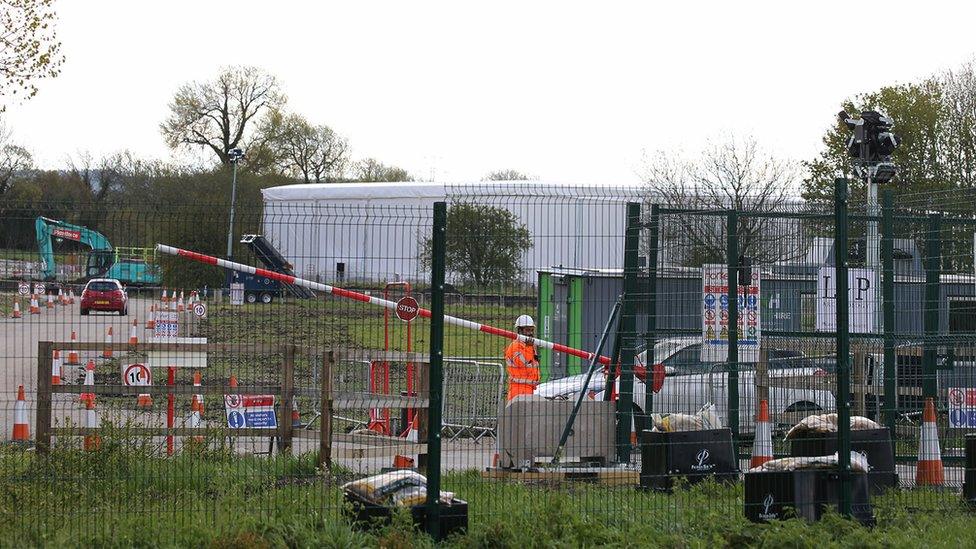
{"points": [[92, 440], [198, 382], [144, 400], [89, 382], [16, 313], [56, 367], [74, 359], [134, 332], [71, 296], [21, 426], [762, 445], [412, 434], [165, 298], [50, 301], [929, 471], [61, 300], [107, 353], [180, 304], [196, 417], [35, 307], [296, 417], [151, 319]]}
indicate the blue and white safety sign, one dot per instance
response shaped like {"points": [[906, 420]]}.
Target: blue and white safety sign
{"points": [[250, 411]]}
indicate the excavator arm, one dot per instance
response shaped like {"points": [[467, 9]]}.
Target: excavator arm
{"points": [[47, 229]]}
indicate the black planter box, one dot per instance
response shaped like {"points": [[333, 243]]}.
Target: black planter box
{"points": [[694, 455], [454, 517], [873, 443], [777, 495], [969, 480]]}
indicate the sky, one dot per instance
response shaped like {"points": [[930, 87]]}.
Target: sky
{"points": [[565, 91]]}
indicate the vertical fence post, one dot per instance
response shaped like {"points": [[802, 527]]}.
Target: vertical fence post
{"points": [[45, 351], [438, 251], [627, 328], [325, 417], [286, 398], [888, 302], [651, 339], [843, 345], [732, 258], [933, 255]]}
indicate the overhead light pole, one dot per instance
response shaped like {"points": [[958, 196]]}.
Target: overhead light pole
{"points": [[235, 155]]}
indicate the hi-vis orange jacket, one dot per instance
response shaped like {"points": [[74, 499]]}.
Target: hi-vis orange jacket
{"points": [[522, 365]]}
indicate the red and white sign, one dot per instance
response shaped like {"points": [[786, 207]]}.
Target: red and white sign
{"points": [[962, 407], [251, 411], [23, 289], [200, 309], [66, 233], [407, 309], [136, 375]]}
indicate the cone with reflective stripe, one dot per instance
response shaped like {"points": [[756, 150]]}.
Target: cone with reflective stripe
{"points": [[151, 319], [35, 308], [198, 382], [929, 471], [89, 382], [56, 367], [21, 426], [50, 301], [196, 418], [412, 434], [134, 332], [74, 359], [16, 310], [165, 298], [107, 353], [61, 300], [92, 441], [762, 445], [296, 418], [71, 297]]}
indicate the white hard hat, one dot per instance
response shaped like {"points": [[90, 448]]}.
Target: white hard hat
{"points": [[524, 321]]}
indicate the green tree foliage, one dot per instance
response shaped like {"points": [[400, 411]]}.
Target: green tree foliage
{"points": [[29, 48], [484, 244], [372, 170], [239, 109], [508, 175]]}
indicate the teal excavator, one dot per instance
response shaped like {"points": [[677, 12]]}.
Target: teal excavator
{"points": [[134, 266]]}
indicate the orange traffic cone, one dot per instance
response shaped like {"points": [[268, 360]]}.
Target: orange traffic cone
{"points": [[151, 320], [61, 300], [71, 297], [165, 298], [198, 382], [196, 417], [56, 368], [180, 305], [50, 301], [92, 440], [89, 382], [762, 445], [16, 310], [74, 359], [35, 308], [412, 434], [134, 332], [21, 427], [233, 381], [296, 417], [929, 471], [107, 353], [144, 400]]}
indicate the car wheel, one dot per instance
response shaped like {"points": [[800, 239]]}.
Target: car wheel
{"points": [[266, 298], [250, 298], [84, 312]]}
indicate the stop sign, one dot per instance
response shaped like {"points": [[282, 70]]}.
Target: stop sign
{"points": [[407, 309]]}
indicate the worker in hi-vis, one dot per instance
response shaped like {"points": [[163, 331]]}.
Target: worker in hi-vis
{"points": [[521, 361]]}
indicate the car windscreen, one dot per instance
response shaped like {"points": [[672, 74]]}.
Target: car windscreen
{"points": [[102, 286]]}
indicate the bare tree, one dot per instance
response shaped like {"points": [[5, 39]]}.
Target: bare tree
{"points": [[29, 48], [314, 153], [14, 159], [733, 174], [223, 114]]}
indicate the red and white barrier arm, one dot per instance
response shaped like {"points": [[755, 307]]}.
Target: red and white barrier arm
{"points": [[373, 300]]}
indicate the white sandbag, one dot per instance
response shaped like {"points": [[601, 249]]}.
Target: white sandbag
{"points": [[859, 462], [827, 423]]}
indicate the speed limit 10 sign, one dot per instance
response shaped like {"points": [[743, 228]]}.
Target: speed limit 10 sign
{"points": [[136, 374]]}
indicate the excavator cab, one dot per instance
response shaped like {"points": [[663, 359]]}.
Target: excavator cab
{"points": [[99, 262]]}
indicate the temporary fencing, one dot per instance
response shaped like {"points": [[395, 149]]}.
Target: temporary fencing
{"points": [[320, 357]]}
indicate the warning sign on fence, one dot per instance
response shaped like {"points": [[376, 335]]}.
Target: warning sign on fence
{"points": [[136, 374], [250, 411], [715, 316], [962, 408]]}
